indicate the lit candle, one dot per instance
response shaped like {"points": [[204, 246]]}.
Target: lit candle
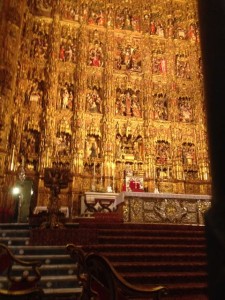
{"points": [[22, 161], [101, 169], [113, 170], [113, 184], [94, 170], [12, 160]]}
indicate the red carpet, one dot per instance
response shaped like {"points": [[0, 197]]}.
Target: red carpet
{"points": [[144, 254]]}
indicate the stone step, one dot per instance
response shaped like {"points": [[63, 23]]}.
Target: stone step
{"points": [[14, 233], [62, 294], [151, 240], [13, 226], [156, 247], [50, 281], [58, 271], [49, 269], [15, 241], [38, 250], [48, 259], [140, 267], [59, 281], [151, 232], [165, 278], [155, 256]]}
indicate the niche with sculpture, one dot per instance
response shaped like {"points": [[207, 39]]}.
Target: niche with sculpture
{"points": [[65, 91], [182, 66], [128, 147], [163, 152], [128, 102], [163, 172], [68, 44], [70, 10], [62, 144], [94, 99], [40, 41], [43, 7], [160, 104], [92, 147], [128, 54], [127, 18], [96, 49], [185, 109], [29, 148], [153, 20], [96, 14], [35, 92], [188, 153]]}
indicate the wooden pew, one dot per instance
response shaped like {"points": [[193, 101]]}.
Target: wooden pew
{"points": [[100, 281], [21, 287]]}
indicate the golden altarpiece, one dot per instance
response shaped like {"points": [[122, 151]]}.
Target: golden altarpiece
{"points": [[102, 88]]}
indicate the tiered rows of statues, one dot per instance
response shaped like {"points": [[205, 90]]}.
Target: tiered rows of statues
{"points": [[102, 87]]}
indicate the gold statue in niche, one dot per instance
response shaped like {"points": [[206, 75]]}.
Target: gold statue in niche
{"points": [[128, 55], [68, 45], [128, 103], [94, 100]]}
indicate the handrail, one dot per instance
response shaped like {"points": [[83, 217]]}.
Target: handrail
{"points": [[94, 267]]}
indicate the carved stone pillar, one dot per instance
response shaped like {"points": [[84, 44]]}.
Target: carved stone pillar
{"points": [[11, 14]]}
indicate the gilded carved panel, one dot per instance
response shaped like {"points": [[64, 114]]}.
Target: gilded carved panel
{"points": [[104, 86]]}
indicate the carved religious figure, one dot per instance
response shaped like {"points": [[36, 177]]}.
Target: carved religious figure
{"points": [[70, 11], [66, 96], [40, 42], [94, 100], [160, 107], [185, 109], [68, 45], [162, 152], [188, 153], [158, 65], [96, 15], [128, 56], [92, 147], [34, 93], [128, 103]]}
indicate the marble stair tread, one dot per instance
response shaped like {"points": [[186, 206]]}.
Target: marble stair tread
{"points": [[39, 250], [63, 291], [13, 232], [48, 259], [58, 277], [13, 239], [44, 257], [49, 267], [45, 278], [38, 247]]}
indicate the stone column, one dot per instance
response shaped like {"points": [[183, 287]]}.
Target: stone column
{"points": [[212, 32]]}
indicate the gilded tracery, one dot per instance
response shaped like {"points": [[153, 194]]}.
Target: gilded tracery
{"points": [[101, 87]]}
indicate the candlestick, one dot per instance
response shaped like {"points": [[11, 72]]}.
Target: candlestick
{"points": [[12, 160], [94, 170], [101, 170], [113, 184], [22, 161]]}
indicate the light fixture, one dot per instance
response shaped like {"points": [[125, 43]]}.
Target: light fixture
{"points": [[15, 190]]}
